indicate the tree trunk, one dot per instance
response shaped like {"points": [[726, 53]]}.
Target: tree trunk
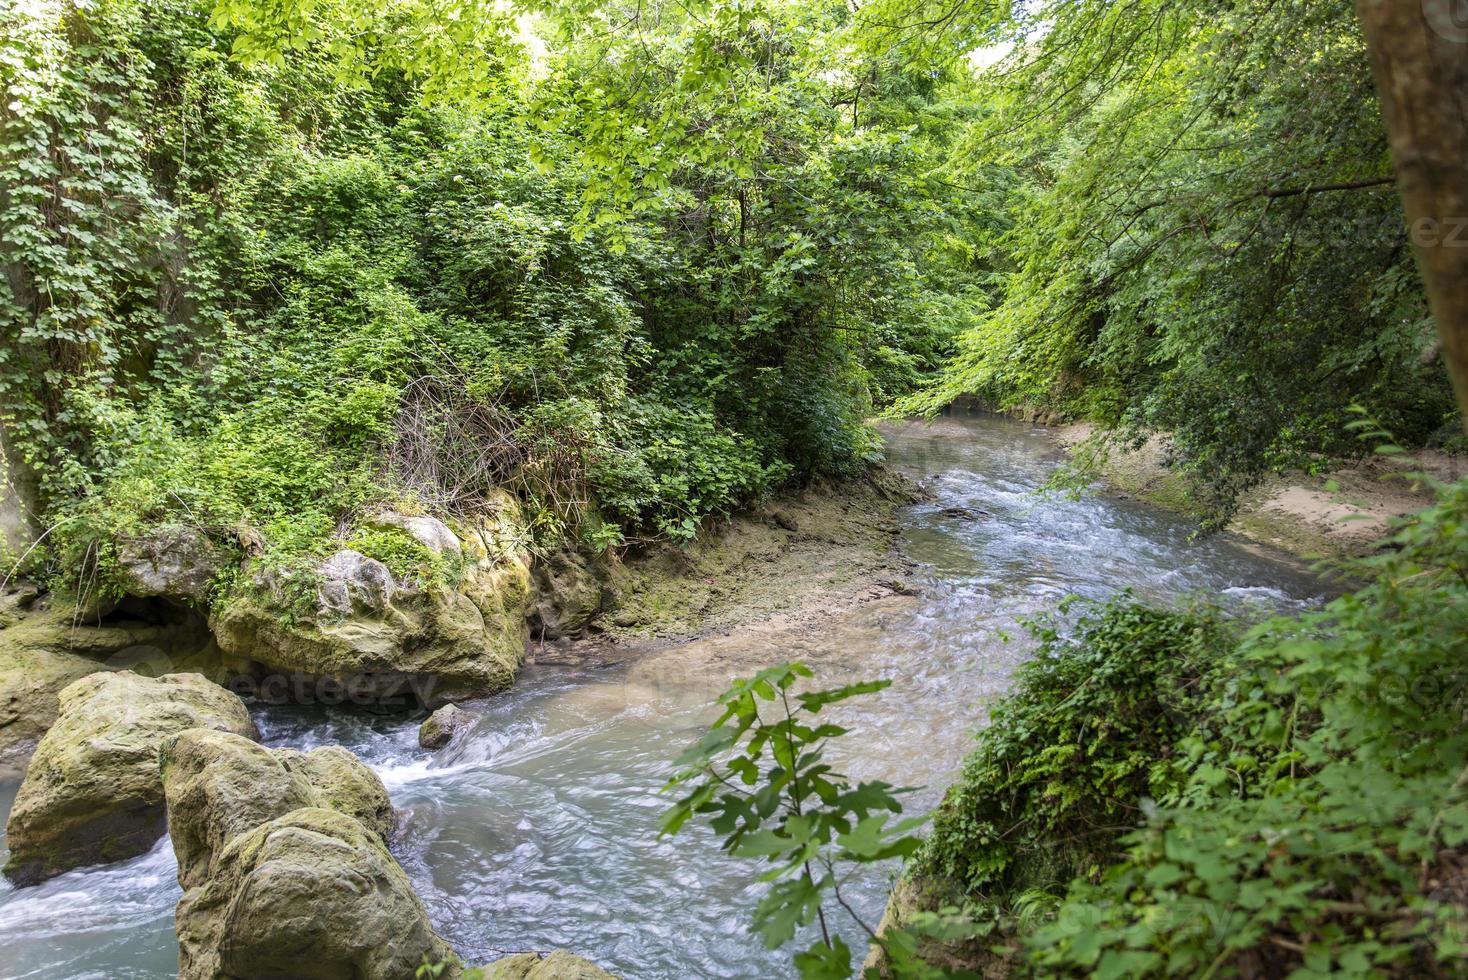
{"points": [[1419, 55]]}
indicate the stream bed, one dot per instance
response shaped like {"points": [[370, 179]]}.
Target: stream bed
{"points": [[537, 828]]}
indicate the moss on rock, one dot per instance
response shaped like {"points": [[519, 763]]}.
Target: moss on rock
{"points": [[92, 791], [384, 637], [559, 965], [310, 894]]}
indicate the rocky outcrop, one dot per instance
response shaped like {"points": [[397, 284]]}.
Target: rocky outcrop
{"points": [[559, 965], [284, 863], [440, 727], [385, 638], [92, 792], [46, 644], [568, 589], [311, 894], [171, 562]]}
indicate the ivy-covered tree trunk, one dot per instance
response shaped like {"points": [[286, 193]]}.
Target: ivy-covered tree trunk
{"points": [[1419, 55]]}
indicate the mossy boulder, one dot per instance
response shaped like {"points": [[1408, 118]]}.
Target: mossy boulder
{"points": [[559, 965], [311, 895], [568, 589], [218, 785], [283, 859], [439, 728], [92, 792], [46, 644], [172, 561], [30, 679], [387, 638]]}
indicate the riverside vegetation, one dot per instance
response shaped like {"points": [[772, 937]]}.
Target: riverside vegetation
{"points": [[363, 341]]}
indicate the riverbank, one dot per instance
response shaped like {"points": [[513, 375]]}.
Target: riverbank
{"points": [[1342, 513], [802, 554]]}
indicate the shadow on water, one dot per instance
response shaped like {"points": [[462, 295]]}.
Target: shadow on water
{"points": [[536, 829]]}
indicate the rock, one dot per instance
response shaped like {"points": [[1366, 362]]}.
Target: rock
{"points": [[963, 513], [559, 965], [430, 532], [173, 562], [390, 641], [440, 727], [568, 590], [310, 894], [349, 583], [30, 679], [342, 782], [92, 791], [218, 786], [44, 646], [284, 864]]}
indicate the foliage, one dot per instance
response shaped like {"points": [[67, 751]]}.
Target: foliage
{"points": [[1069, 753], [1294, 802], [272, 263], [1202, 236], [764, 784]]}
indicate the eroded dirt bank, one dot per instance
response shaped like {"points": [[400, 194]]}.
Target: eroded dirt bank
{"points": [[1341, 513], [799, 558]]}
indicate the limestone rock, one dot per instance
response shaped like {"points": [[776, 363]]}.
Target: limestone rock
{"points": [[559, 965], [92, 791], [44, 646], [430, 532], [219, 786], [390, 640], [350, 582], [307, 895], [284, 864], [440, 727], [342, 782], [568, 590], [30, 679], [172, 562]]}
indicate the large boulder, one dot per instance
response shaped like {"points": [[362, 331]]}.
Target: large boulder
{"points": [[219, 785], [46, 644], [559, 965], [381, 638], [92, 791], [283, 860], [173, 562], [568, 589], [311, 895]]}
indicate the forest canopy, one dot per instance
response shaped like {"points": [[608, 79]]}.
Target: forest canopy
{"points": [[641, 263]]}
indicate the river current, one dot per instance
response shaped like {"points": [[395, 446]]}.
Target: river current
{"points": [[537, 828]]}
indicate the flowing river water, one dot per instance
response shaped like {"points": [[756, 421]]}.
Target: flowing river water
{"points": [[537, 829]]}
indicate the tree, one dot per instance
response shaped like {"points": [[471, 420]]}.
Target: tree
{"points": [[1419, 56]]}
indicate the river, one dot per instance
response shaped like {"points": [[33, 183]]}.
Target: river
{"points": [[537, 829]]}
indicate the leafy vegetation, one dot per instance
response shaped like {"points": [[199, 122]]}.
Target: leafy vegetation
{"points": [[1161, 796], [256, 284], [1163, 792], [1202, 238], [764, 783], [269, 265]]}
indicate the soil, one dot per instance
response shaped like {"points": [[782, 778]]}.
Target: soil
{"points": [[1341, 513], [799, 558]]}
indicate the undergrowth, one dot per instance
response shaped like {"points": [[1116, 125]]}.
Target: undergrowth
{"points": [[1166, 794]]}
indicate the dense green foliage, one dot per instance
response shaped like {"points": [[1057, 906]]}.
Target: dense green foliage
{"points": [[1202, 237], [252, 289], [1160, 796]]}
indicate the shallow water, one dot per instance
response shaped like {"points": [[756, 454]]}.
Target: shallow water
{"points": [[536, 830]]}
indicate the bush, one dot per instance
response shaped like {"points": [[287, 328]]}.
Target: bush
{"points": [[1176, 799]]}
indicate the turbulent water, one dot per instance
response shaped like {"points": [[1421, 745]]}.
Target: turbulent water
{"points": [[538, 829]]}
